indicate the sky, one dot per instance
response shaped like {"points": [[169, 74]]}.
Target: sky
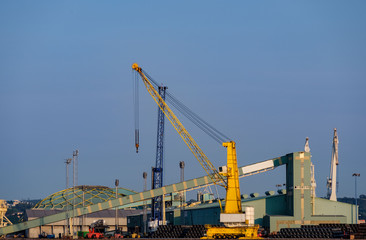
{"points": [[266, 73]]}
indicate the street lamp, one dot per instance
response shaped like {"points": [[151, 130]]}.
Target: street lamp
{"points": [[116, 183], [356, 175], [144, 217]]}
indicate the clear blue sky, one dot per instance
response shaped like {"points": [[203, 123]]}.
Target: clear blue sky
{"points": [[266, 73]]}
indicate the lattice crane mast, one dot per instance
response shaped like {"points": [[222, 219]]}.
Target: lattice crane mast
{"points": [[157, 202], [157, 171]]}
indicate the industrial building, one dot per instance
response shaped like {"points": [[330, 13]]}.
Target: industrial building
{"points": [[292, 207], [61, 228]]}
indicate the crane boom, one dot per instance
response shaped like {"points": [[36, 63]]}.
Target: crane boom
{"points": [[216, 177]]}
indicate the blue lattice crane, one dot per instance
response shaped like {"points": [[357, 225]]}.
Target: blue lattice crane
{"points": [[157, 203], [157, 171]]}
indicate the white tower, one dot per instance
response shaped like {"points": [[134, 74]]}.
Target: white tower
{"points": [[306, 147], [332, 180]]}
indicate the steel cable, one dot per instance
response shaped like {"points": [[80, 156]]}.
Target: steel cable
{"points": [[187, 112]]}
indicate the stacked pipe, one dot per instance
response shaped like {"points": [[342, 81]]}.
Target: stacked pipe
{"points": [[324, 231], [179, 231]]}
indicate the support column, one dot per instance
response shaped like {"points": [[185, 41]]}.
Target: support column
{"points": [[298, 186]]}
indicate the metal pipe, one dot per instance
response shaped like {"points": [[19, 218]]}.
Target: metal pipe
{"points": [[144, 220], [67, 226], [182, 194], [356, 175], [74, 183], [116, 183]]}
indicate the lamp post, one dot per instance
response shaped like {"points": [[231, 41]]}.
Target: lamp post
{"points": [[144, 217], [67, 227], [182, 194], [116, 183], [356, 175]]}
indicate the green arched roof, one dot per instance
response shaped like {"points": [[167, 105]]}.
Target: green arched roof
{"points": [[81, 196]]}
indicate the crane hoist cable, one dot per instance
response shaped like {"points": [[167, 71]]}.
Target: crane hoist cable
{"points": [[199, 122], [136, 111], [187, 112]]}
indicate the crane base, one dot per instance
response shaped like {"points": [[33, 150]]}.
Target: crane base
{"points": [[247, 232]]}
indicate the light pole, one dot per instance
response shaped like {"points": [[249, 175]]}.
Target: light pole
{"points": [[75, 155], [116, 183], [144, 217], [356, 175], [67, 227], [182, 194]]}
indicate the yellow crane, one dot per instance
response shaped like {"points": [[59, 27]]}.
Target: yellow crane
{"points": [[232, 217]]}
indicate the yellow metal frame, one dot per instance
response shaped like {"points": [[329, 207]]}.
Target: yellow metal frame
{"points": [[4, 221], [249, 232], [233, 198]]}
